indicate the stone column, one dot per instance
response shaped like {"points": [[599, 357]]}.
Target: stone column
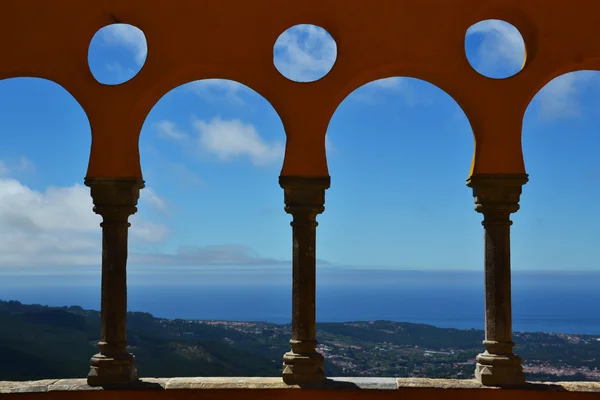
{"points": [[115, 200], [304, 199], [496, 197]]}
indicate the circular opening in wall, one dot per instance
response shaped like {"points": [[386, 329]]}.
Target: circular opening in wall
{"points": [[495, 49], [304, 53], [117, 53]]}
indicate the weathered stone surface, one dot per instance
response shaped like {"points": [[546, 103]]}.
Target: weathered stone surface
{"points": [[115, 200], [227, 383], [258, 383], [361, 383], [496, 197], [440, 383], [574, 386], [304, 199], [26, 386], [71, 385]]}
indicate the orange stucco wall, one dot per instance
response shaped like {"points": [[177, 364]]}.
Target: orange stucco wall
{"points": [[233, 39]]}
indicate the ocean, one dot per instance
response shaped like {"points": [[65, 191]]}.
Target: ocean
{"points": [[562, 302]]}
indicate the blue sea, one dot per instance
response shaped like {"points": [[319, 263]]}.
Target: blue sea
{"points": [[563, 302]]}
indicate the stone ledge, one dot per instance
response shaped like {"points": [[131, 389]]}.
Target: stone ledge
{"points": [[375, 384]]}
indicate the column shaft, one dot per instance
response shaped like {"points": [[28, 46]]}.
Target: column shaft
{"points": [[113, 312], [304, 282], [496, 197], [115, 200], [304, 199]]}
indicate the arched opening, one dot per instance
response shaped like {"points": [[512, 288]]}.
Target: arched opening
{"points": [[49, 236], [555, 248], [212, 151], [402, 241]]}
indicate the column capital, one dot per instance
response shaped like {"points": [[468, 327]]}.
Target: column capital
{"points": [[304, 195], [115, 198], [497, 193]]}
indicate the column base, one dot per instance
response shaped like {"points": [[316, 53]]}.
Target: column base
{"points": [[112, 370], [303, 368], [499, 370]]}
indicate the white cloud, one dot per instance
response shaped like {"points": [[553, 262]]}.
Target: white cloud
{"points": [[406, 88], [305, 53], [149, 196], [23, 164], [121, 73], [219, 90], [329, 147], [501, 45], [169, 130], [561, 97], [129, 36], [56, 227], [393, 83], [232, 138]]}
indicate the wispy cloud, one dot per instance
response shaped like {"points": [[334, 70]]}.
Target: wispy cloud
{"points": [[211, 256], [225, 255], [405, 88], [225, 139], [23, 164], [228, 139], [149, 196], [121, 73], [305, 53], [501, 47], [169, 130], [129, 36], [219, 90], [561, 97]]}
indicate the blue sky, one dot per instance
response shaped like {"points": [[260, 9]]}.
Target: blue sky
{"points": [[211, 153]]}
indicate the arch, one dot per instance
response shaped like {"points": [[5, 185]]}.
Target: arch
{"points": [[63, 89], [592, 65], [66, 86], [185, 74], [557, 234], [215, 197], [393, 205], [382, 77], [51, 208]]}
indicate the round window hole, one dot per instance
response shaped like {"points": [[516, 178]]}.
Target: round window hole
{"points": [[304, 53], [495, 49], [117, 53]]}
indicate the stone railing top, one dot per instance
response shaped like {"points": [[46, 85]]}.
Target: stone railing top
{"points": [[70, 385]]}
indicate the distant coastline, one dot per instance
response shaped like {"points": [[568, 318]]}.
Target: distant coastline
{"points": [[562, 302]]}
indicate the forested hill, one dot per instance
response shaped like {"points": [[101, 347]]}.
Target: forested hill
{"points": [[38, 342]]}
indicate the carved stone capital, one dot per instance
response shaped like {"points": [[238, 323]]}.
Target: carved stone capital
{"points": [[497, 194], [304, 195], [115, 199]]}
